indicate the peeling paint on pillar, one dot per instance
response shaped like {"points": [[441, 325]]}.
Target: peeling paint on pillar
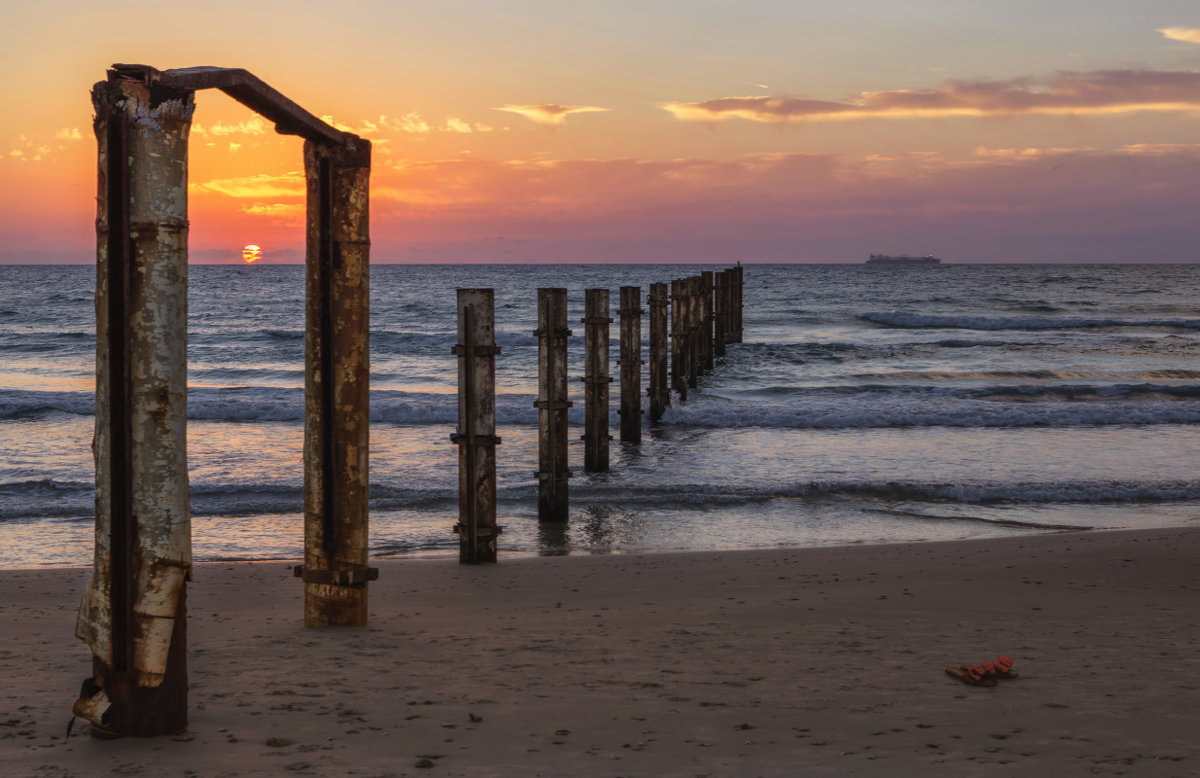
{"points": [[337, 375], [133, 611]]}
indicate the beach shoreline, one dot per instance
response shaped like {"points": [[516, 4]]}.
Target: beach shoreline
{"points": [[820, 660]]}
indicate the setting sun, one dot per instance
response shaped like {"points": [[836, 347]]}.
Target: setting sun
{"points": [[251, 253]]}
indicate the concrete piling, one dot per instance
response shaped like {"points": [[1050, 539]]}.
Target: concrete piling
{"points": [[476, 436]]}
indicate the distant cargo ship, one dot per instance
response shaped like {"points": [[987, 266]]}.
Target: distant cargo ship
{"points": [[884, 259]]}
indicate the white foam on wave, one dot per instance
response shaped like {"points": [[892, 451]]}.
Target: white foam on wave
{"points": [[905, 319], [883, 410], [877, 408], [74, 500]]}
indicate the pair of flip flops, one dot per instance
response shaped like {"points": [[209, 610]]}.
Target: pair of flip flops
{"points": [[984, 675]]}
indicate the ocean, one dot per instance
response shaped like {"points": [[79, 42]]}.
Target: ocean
{"points": [[865, 405]]}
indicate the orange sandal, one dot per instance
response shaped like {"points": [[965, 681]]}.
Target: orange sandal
{"points": [[971, 674], [1001, 668]]}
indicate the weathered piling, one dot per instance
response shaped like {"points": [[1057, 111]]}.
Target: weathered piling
{"points": [[738, 303], [596, 379], [133, 615], [730, 300], [552, 405], [706, 319], [694, 364], [720, 306], [678, 339], [336, 386], [476, 436], [659, 391], [134, 611], [631, 364]]}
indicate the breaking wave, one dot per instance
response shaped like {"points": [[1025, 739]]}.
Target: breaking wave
{"points": [[48, 498], [905, 320]]}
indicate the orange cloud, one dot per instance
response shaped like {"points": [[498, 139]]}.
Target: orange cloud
{"points": [[255, 125], [280, 210], [1185, 34], [549, 113], [1095, 92], [263, 186]]}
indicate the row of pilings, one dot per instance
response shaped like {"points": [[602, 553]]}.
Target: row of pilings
{"points": [[688, 331]]}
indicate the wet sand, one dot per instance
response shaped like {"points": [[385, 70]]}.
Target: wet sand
{"points": [[780, 662]]}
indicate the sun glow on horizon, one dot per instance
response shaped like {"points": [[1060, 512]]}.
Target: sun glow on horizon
{"points": [[251, 253]]}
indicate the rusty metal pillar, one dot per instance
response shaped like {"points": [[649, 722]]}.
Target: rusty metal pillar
{"points": [[134, 610], [719, 307], [727, 327], [738, 289], [678, 340], [552, 405], [596, 379], [659, 391], [337, 373], [706, 318], [476, 436], [631, 364], [692, 290]]}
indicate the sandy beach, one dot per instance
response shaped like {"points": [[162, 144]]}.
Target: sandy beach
{"points": [[825, 661]]}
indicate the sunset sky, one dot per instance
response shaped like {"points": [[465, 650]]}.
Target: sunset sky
{"points": [[556, 131]]}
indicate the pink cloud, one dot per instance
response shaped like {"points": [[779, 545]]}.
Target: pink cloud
{"points": [[1094, 92]]}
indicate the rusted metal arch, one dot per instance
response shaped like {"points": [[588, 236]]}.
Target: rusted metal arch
{"points": [[247, 89], [133, 615]]}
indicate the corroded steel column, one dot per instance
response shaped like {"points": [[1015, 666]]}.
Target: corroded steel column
{"points": [[738, 303], [631, 364], [134, 610], [679, 338], [552, 405], [596, 379], [706, 319], [692, 292], [720, 305], [476, 436], [659, 391], [336, 423]]}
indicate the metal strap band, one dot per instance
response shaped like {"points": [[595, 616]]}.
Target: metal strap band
{"points": [[358, 577]]}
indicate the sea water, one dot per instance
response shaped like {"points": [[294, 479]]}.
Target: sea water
{"points": [[865, 405]]}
